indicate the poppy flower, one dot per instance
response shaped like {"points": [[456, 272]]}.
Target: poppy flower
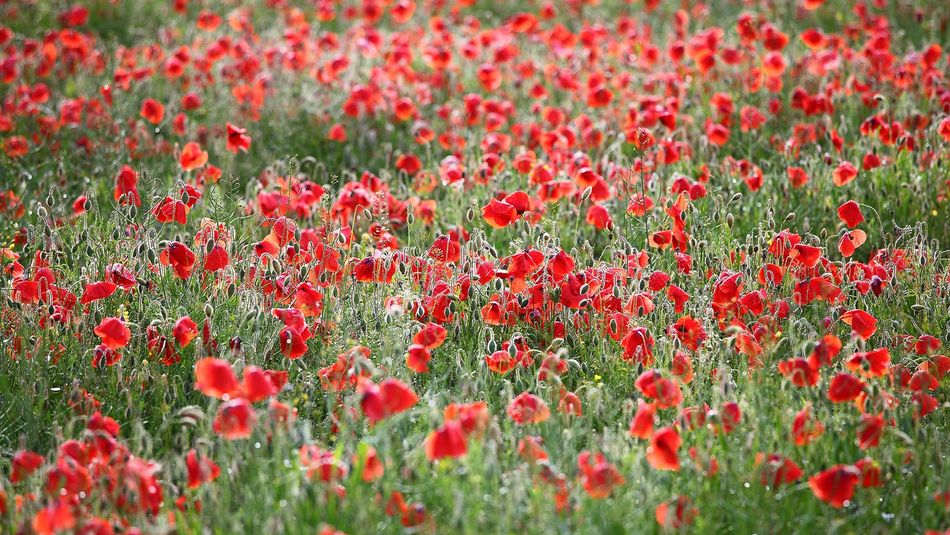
{"points": [[24, 463], [55, 518], [663, 452], [171, 210], [185, 331], [499, 214], [807, 255], [835, 486], [113, 332], [235, 419], [642, 424], [126, 184], [237, 139], [180, 258], [797, 176], [653, 385], [152, 111], [827, 349], [850, 214], [778, 470], [844, 173], [805, 427], [372, 466], [215, 378], [638, 346], [870, 430], [870, 363], [598, 217], [388, 398], [217, 259], [430, 336], [192, 157], [320, 464], [799, 371], [862, 324], [599, 478], [676, 514], [258, 385], [448, 441], [850, 241], [417, 358], [292, 343], [530, 448], [682, 367], [689, 332], [200, 469], [870, 472], [95, 291], [526, 408], [845, 387]]}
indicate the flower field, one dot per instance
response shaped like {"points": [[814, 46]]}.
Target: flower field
{"points": [[472, 266]]}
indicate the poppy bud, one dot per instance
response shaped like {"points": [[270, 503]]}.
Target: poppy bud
{"points": [[730, 220]]}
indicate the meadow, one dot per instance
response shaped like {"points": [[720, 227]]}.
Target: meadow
{"points": [[471, 266]]}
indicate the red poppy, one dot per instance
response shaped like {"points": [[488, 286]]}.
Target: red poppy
{"points": [[215, 378], [113, 332], [237, 139], [850, 241], [599, 478], [653, 385], [386, 399], [169, 210], [24, 463], [192, 157], [689, 332], [126, 184], [200, 469], [844, 173], [870, 430], [499, 214], [863, 324], [235, 419], [258, 385], [870, 472], [152, 111], [292, 343], [845, 387], [850, 214], [180, 258], [526, 408], [431, 335], [778, 470], [799, 371], [642, 424], [676, 514], [447, 441], [185, 331], [417, 358], [663, 452], [805, 427], [870, 363], [835, 486], [95, 291]]}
